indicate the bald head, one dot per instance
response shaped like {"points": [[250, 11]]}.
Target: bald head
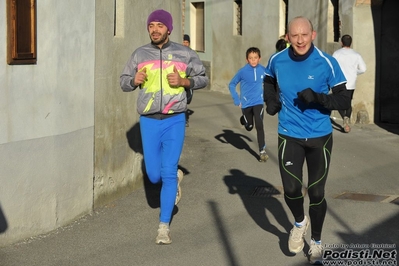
{"points": [[301, 35], [300, 19]]}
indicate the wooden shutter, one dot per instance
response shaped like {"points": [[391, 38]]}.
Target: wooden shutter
{"points": [[21, 32]]}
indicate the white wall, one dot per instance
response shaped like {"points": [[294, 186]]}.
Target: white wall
{"points": [[317, 12], [47, 122], [357, 21], [364, 43]]}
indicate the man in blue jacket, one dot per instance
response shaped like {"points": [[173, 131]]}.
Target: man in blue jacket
{"points": [[297, 86]]}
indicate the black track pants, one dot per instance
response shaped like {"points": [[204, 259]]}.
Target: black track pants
{"points": [[292, 154], [255, 113], [347, 112]]}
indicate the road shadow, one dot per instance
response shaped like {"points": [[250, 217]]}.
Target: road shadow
{"points": [[386, 232], [392, 128], [383, 236], [189, 113], [152, 191], [3, 221], [230, 254], [259, 207], [237, 140]]}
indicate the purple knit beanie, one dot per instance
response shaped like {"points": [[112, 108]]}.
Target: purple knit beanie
{"points": [[162, 16]]}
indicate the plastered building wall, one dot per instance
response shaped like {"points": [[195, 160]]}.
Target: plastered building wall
{"points": [[69, 140], [363, 43], [224, 51], [47, 122]]}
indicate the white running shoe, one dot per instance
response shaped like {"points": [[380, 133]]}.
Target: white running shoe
{"points": [[163, 237], [296, 240], [315, 253]]}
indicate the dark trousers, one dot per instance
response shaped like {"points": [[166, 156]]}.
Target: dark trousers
{"points": [[347, 112], [255, 114], [292, 154]]}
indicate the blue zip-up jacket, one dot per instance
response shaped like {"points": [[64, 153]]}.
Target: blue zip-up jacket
{"points": [[251, 86], [291, 74]]}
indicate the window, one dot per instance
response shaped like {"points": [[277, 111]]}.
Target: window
{"points": [[119, 18], [336, 20], [283, 18], [197, 26], [238, 17], [21, 32]]}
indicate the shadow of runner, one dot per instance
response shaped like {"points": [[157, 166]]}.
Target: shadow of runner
{"points": [[259, 207], [189, 113], [237, 140], [3, 221], [152, 191]]}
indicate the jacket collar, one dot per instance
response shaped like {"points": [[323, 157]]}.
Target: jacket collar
{"points": [[165, 45], [299, 58]]}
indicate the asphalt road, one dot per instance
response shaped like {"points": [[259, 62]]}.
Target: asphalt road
{"points": [[231, 212]]}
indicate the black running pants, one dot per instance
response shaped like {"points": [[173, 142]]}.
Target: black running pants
{"points": [[292, 154], [255, 113], [347, 112]]}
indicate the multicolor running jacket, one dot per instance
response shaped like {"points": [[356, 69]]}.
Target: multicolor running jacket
{"points": [[155, 94]]}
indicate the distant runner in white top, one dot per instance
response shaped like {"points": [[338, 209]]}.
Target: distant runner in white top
{"points": [[352, 64]]}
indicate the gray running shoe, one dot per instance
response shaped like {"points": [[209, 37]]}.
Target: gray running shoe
{"points": [[315, 253], [346, 126], [263, 156], [180, 176], [296, 239], [163, 237]]}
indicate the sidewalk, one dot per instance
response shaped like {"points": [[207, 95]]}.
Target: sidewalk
{"points": [[227, 214]]}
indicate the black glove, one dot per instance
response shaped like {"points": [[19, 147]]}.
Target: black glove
{"points": [[273, 107], [309, 96]]}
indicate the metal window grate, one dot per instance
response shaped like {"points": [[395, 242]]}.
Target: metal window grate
{"points": [[362, 197], [266, 192]]}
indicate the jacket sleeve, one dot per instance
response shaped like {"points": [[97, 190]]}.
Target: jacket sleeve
{"points": [[196, 72], [271, 95], [232, 88], [129, 72], [361, 68], [269, 89], [337, 100]]}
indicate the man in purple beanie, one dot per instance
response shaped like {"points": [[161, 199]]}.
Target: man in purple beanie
{"points": [[163, 71]]}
